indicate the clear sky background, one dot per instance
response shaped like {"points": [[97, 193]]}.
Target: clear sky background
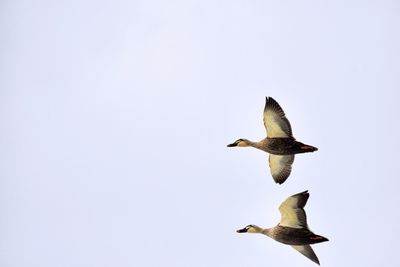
{"points": [[115, 116]]}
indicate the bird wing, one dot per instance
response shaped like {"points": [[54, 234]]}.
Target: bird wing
{"points": [[292, 212], [280, 166], [275, 121], [308, 252]]}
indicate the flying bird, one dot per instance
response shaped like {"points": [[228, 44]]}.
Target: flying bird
{"points": [[292, 229], [279, 143]]}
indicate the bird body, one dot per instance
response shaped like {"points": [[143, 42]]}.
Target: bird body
{"points": [[293, 236], [280, 146], [279, 143]]}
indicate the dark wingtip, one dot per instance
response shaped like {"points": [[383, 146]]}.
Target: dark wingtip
{"points": [[232, 145], [305, 194], [280, 179]]}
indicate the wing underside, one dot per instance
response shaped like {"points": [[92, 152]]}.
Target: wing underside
{"points": [[281, 167], [307, 251], [292, 212], [275, 121]]}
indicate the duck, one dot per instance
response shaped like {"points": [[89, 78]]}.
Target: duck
{"points": [[279, 143], [292, 229]]}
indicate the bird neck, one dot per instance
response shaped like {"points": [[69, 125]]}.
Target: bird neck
{"points": [[259, 145], [253, 144], [267, 231]]}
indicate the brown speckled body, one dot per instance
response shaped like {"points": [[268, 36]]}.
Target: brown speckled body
{"points": [[283, 146], [293, 236]]}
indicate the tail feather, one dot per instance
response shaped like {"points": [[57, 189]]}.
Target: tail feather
{"points": [[306, 148], [318, 239]]}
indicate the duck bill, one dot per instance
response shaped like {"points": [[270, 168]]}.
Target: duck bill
{"points": [[244, 230], [232, 145]]}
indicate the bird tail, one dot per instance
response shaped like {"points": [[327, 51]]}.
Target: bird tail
{"points": [[318, 239], [306, 148]]}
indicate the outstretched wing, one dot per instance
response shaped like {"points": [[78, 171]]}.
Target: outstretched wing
{"points": [[281, 166], [308, 252], [275, 121], [292, 212]]}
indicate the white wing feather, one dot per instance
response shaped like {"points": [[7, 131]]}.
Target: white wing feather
{"points": [[292, 212]]}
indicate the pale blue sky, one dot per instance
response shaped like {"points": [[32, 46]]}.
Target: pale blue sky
{"points": [[115, 117]]}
